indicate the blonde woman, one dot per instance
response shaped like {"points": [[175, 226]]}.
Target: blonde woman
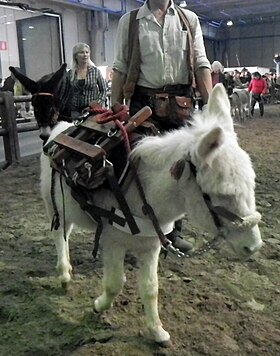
{"points": [[87, 81]]}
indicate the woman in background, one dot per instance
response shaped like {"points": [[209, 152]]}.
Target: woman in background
{"points": [[88, 84], [257, 88], [217, 73]]}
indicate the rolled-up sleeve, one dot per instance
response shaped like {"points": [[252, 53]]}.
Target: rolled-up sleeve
{"points": [[200, 58], [121, 45]]}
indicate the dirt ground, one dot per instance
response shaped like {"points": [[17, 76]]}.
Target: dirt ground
{"points": [[212, 305]]}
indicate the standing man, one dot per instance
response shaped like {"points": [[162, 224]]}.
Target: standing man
{"points": [[160, 58]]}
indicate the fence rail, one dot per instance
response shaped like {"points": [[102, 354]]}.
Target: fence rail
{"points": [[10, 129]]}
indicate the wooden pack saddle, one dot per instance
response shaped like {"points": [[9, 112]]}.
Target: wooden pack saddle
{"points": [[81, 152], [81, 155]]}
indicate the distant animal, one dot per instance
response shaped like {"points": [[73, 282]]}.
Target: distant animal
{"points": [[52, 94], [240, 104], [200, 171]]}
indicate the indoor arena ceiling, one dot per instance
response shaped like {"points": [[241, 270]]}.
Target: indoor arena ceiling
{"points": [[215, 12], [240, 12]]}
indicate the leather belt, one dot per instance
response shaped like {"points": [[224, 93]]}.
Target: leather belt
{"points": [[179, 89]]}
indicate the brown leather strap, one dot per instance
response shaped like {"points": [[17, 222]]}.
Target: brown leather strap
{"points": [[147, 208], [110, 174], [133, 55], [94, 211], [186, 25]]}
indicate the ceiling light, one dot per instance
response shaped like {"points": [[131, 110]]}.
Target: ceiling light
{"points": [[229, 23], [183, 4]]}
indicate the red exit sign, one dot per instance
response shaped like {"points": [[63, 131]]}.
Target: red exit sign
{"points": [[3, 46]]}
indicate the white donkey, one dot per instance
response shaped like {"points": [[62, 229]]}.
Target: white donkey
{"points": [[213, 164]]}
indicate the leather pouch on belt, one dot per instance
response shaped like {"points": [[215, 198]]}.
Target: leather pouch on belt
{"points": [[180, 107], [161, 105]]}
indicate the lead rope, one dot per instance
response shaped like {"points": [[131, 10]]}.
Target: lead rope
{"points": [[147, 208]]}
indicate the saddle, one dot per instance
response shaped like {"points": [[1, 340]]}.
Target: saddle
{"points": [[82, 152], [93, 154]]}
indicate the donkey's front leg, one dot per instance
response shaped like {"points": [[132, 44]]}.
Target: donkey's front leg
{"points": [[148, 290], [63, 265], [113, 277]]}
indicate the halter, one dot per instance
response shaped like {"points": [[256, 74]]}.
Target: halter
{"points": [[235, 222], [55, 115]]}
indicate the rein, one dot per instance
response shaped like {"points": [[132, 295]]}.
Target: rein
{"points": [[148, 210]]}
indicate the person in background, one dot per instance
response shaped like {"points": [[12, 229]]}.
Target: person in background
{"points": [[267, 95], [272, 89], [13, 85], [87, 82], [158, 69], [217, 74], [229, 82], [245, 77], [257, 88], [9, 83], [236, 79]]}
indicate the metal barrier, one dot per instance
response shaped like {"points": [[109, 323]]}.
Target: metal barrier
{"points": [[10, 129]]}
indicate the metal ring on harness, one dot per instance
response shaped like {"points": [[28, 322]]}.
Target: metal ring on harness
{"points": [[112, 132]]}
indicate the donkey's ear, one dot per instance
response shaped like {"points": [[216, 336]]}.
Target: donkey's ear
{"points": [[56, 78], [29, 84], [219, 106], [210, 142]]}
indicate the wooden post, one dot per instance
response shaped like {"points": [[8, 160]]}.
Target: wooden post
{"points": [[9, 122]]}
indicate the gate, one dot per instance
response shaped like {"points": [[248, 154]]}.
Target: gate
{"points": [[9, 128]]}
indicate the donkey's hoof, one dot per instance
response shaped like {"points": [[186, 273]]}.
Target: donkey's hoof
{"points": [[95, 311], [65, 285], [101, 304], [165, 339], [165, 344]]}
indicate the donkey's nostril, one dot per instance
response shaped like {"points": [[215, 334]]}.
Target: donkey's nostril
{"points": [[44, 133]]}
